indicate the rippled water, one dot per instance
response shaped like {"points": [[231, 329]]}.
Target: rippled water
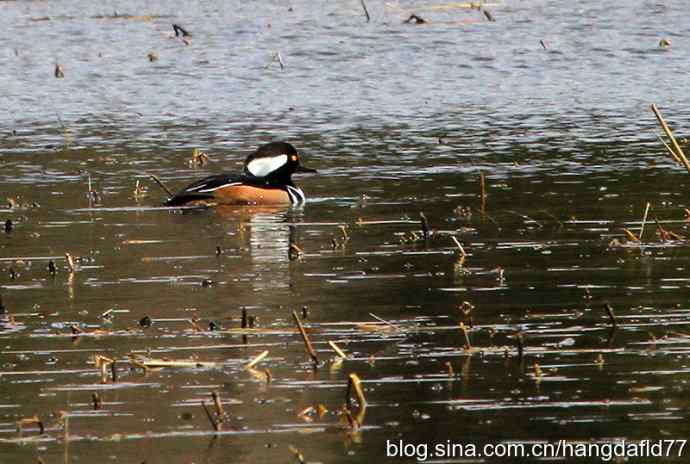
{"points": [[398, 119]]}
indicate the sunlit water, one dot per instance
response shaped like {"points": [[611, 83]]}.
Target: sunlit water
{"points": [[398, 119]]}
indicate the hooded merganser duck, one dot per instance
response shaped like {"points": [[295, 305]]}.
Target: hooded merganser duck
{"points": [[266, 180]]}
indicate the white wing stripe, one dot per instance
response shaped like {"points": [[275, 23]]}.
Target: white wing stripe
{"points": [[220, 186], [261, 167], [196, 187]]}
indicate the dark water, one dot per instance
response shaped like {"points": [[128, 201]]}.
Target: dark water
{"points": [[399, 119]]}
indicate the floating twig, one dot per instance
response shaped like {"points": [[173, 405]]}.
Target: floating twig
{"points": [[307, 343], [488, 14], [415, 19], [180, 31]]}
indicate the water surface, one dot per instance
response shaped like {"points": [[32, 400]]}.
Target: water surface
{"points": [[398, 119]]}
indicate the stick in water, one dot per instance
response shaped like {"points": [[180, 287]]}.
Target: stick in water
{"points": [[644, 220], [356, 385], [162, 185], [305, 338], [257, 359], [366, 12], [674, 142], [609, 311]]}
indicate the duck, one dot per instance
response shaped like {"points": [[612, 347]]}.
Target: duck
{"points": [[266, 180]]}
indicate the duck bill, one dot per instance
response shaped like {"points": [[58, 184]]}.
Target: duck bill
{"points": [[305, 169]]}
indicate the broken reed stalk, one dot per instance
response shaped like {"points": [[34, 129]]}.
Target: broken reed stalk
{"points": [[180, 31], [337, 349], [21, 423], [298, 455], [460, 248], [102, 363], [612, 316], [214, 423], [390, 324], [674, 142], [70, 262], [97, 403], [520, 344], [631, 236], [219, 405], [161, 185], [482, 188], [670, 150], [425, 225], [257, 359], [244, 318], [305, 338], [294, 252], [537, 370], [644, 220], [366, 12], [463, 329], [113, 371], [667, 235], [354, 383]]}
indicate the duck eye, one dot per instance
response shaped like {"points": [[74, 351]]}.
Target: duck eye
{"points": [[293, 157]]}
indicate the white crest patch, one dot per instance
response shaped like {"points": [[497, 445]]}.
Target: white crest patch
{"points": [[261, 167]]}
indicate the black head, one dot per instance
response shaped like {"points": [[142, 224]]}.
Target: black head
{"points": [[274, 163]]}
